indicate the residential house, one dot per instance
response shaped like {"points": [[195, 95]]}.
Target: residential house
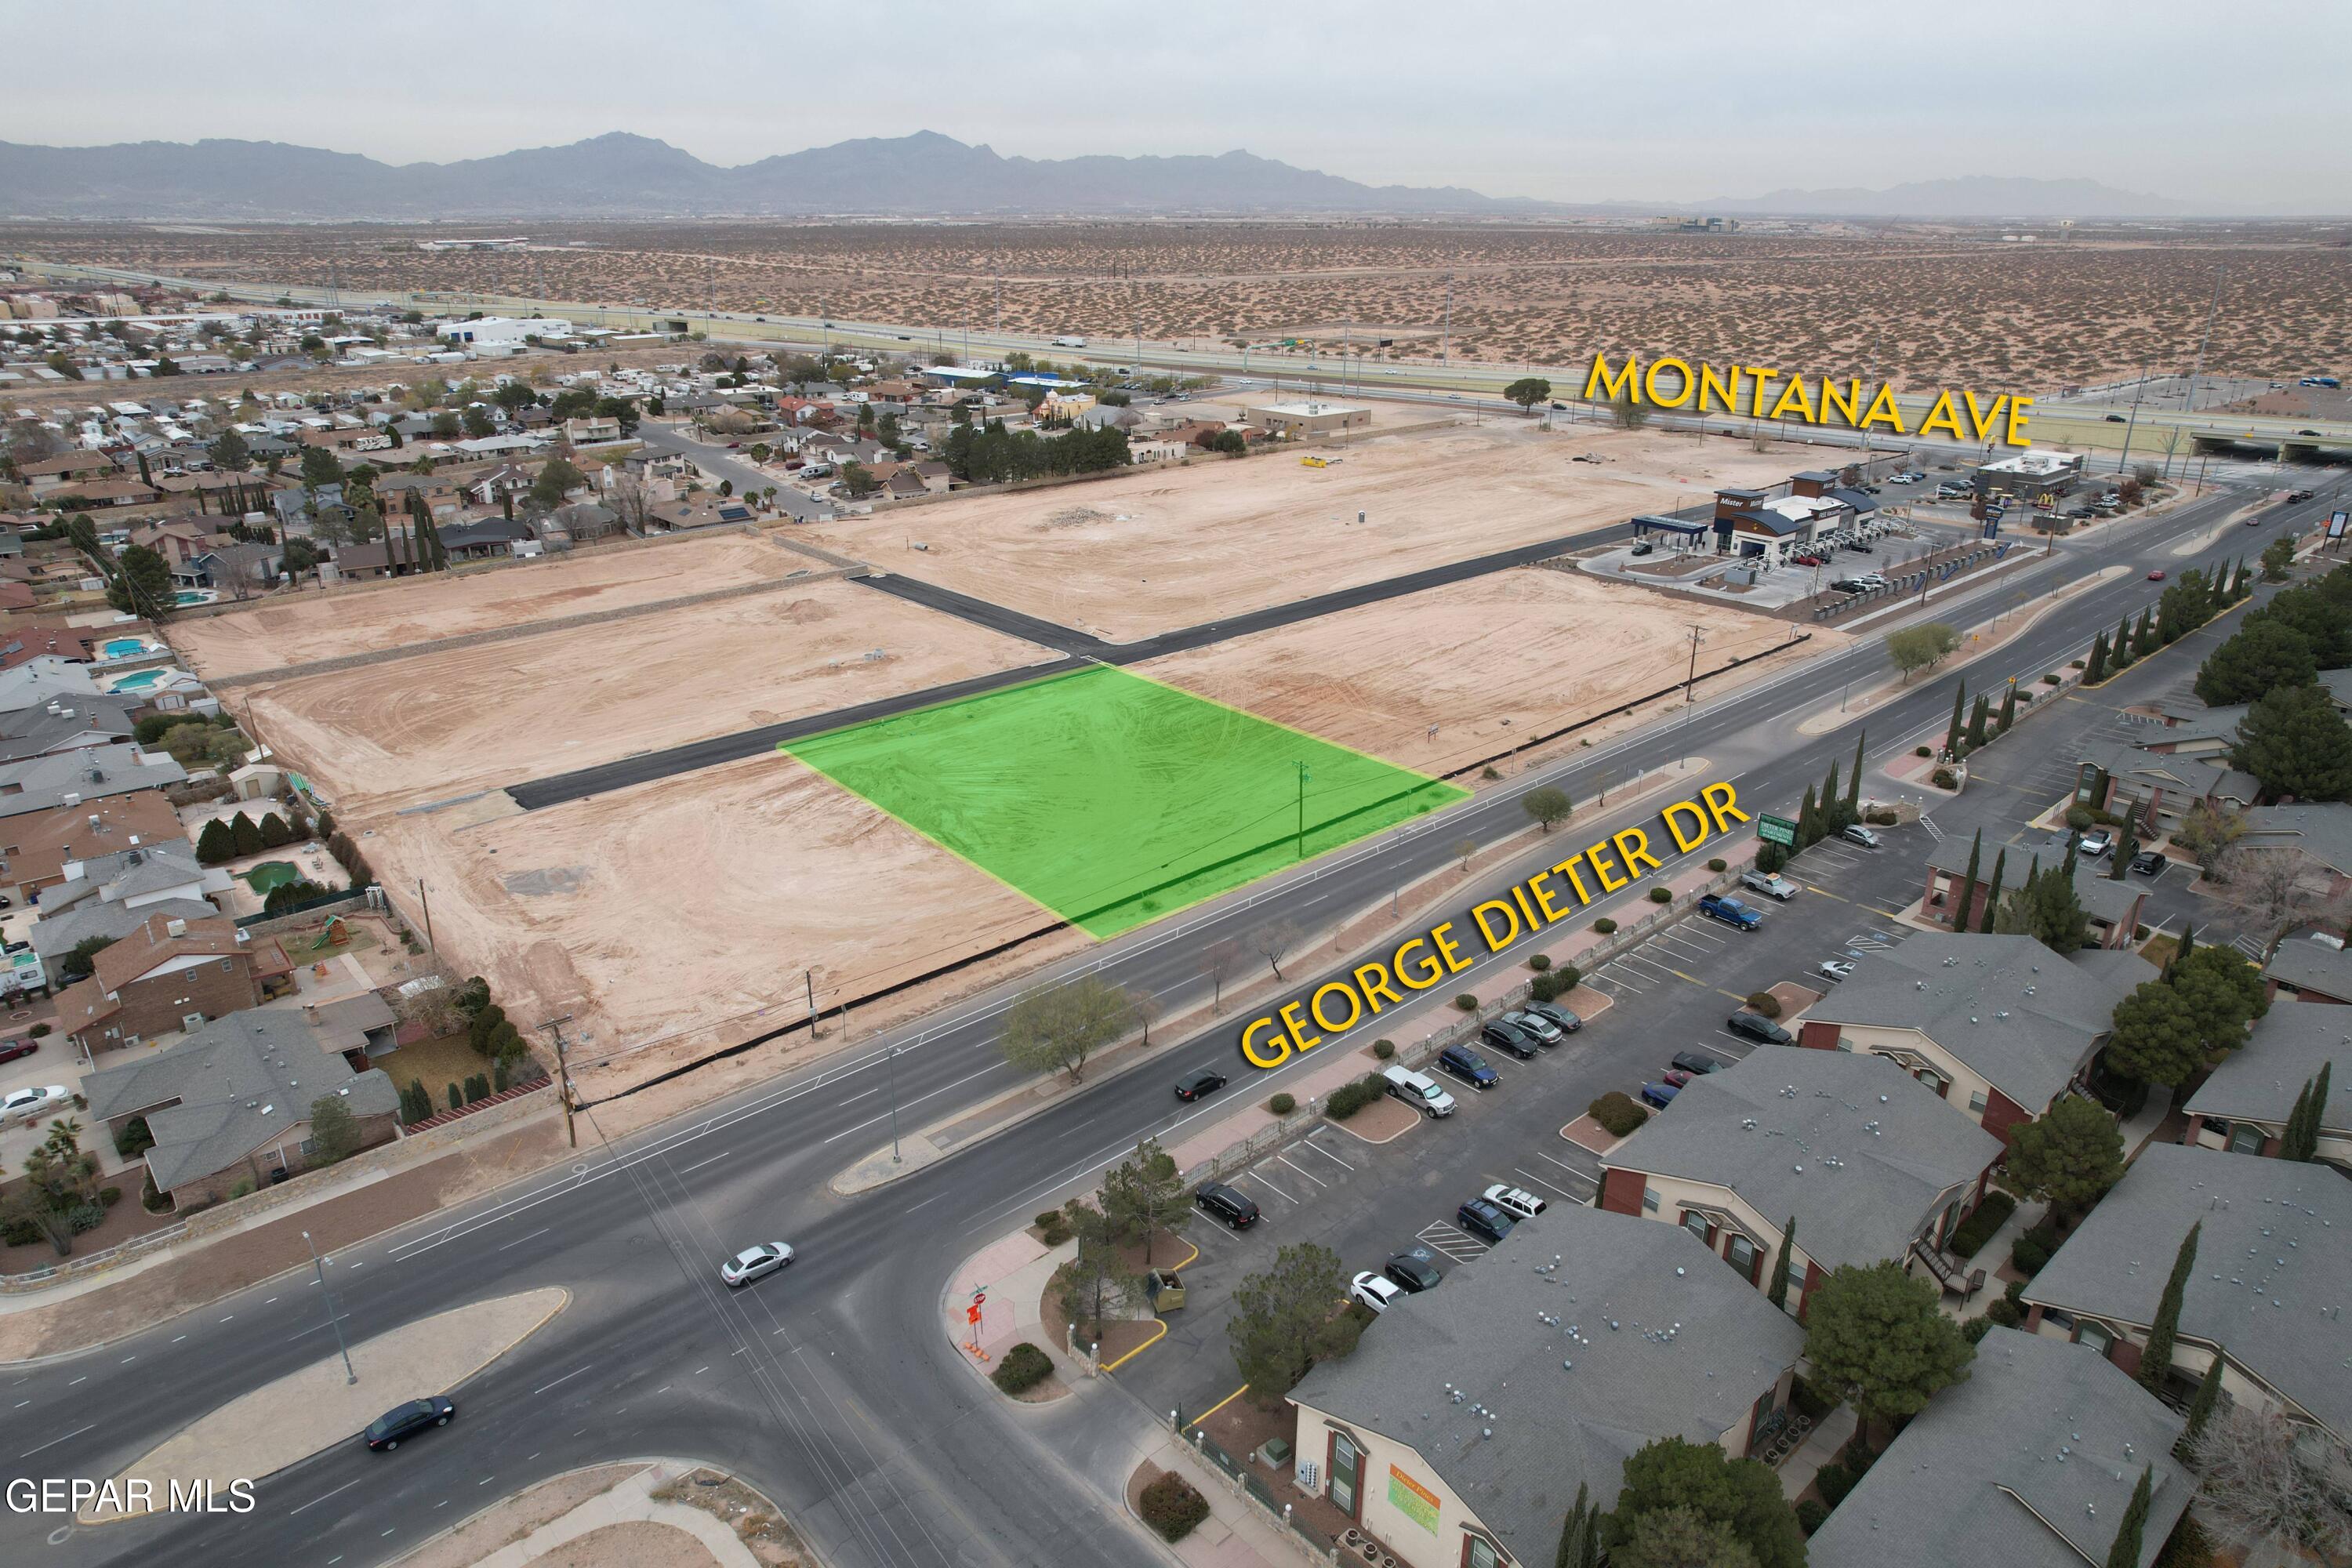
{"points": [[2113, 906], [46, 476], [2245, 1104], [100, 494], [482, 540], [229, 1107], [137, 875], [2309, 968], [357, 1028], [1157, 449], [2272, 1271], [2031, 1461], [2318, 831], [1999, 1026], [1872, 1167], [178, 539], [902, 485], [2193, 730], [17, 596], [79, 645], [507, 481], [1638, 1337], [227, 565], [592, 428], [168, 975], [71, 778], [67, 726]]}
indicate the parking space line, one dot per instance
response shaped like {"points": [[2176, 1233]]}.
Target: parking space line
{"points": [[1301, 1170], [1269, 1186], [1326, 1153], [1539, 1180], [1718, 1050]]}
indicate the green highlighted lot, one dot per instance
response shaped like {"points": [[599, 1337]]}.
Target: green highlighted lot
{"points": [[1113, 800]]}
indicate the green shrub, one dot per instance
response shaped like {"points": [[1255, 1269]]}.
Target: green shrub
{"points": [[1282, 1104], [1345, 1100], [242, 1188], [39, 1031], [1976, 1329], [1718, 864], [1885, 817], [1833, 1481], [2052, 680], [1944, 778], [1568, 977], [2030, 1252], [134, 1139], [1982, 1221], [1618, 1113], [1384, 1049], [1539, 962], [1811, 1516], [1765, 1003], [1544, 987], [110, 1197], [1923, 750], [1025, 1366], [2078, 817], [1662, 895], [1604, 925], [2004, 1313], [1173, 1506], [1466, 1001], [85, 1216], [1048, 1219]]}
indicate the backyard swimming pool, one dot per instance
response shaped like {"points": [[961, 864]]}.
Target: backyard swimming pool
{"points": [[269, 874], [139, 681], [126, 647]]}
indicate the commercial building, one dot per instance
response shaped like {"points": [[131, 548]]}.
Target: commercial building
{"points": [[1290, 421], [503, 330], [2043, 479]]}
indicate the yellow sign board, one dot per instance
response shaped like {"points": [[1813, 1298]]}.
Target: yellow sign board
{"points": [[1412, 1499]]}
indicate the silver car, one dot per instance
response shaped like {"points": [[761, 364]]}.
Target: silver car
{"points": [[753, 1261], [31, 1104]]}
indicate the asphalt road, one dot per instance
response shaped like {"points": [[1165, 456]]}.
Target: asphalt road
{"points": [[830, 1386]]}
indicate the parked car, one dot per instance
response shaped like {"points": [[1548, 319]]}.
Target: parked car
{"points": [[1482, 1218], [1859, 548], [1516, 1201], [1836, 970], [1374, 1290], [1503, 1036], [1857, 833], [31, 1104], [1566, 1022], [1759, 1028], [1644, 548], [387, 1431], [20, 1047], [2149, 863], [1420, 1090], [1659, 1094], [1730, 911], [2095, 843], [1193, 1085], [753, 1261], [1221, 1202], [1676, 1078], [1696, 1062], [1805, 561], [1469, 1067], [1527, 1021], [1770, 885], [1415, 1269]]}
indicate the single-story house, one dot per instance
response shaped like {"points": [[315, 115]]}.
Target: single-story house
{"points": [[2309, 968], [2321, 831], [71, 778], [2243, 1105]]}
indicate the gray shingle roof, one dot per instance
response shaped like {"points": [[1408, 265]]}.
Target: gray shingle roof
{"points": [[2309, 965], [1859, 1150], [2286, 1050], [2193, 776], [2271, 1262], [1555, 1425], [2006, 1006], [1962, 1487], [2322, 830], [54, 936], [90, 773], [238, 1082]]}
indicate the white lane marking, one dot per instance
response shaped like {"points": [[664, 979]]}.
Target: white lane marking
{"points": [[1301, 1170], [911, 1103], [1269, 1186], [55, 1441], [699, 1163], [324, 1496], [518, 1241], [567, 1377], [1326, 1153]]}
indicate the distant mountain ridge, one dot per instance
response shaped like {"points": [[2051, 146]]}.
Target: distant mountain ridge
{"points": [[620, 175]]}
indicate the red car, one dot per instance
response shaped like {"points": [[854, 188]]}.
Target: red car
{"points": [[11, 1049], [1807, 561], [2156, 576], [1676, 1077]]}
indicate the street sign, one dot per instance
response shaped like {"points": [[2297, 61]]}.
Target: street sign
{"points": [[2336, 525], [1777, 830]]}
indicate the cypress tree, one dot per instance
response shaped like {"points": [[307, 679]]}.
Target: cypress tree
{"points": [[1808, 830], [1780, 1291], [2291, 1136], [1830, 788], [2008, 710], [2188, 941], [2200, 1409], [1853, 784], [2144, 636], [1977, 718], [2097, 670], [2124, 849], [2156, 1361], [1952, 732], [2124, 1552], [1579, 1534], [2122, 650], [1968, 883], [2318, 1113], [1992, 898]]}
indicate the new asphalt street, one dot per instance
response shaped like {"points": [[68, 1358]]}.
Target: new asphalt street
{"points": [[830, 1386]]}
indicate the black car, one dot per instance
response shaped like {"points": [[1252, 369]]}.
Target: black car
{"points": [[2294, 495], [2149, 863], [1757, 1027], [1696, 1062], [402, 1421], [1566, 1022], [1221, 1202], [1413, 1270], [1509, 1037], [1469, 1067], [1482, 1218], [1193, 1085]]}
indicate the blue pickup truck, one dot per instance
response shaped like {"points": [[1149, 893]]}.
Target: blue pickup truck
{"points": [[1730, 911]]}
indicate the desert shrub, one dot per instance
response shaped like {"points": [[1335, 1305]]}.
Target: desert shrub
{"points": [[1466, 1001], [85, 1216], [1604, 925], [1982, 1221], [1718, 864], [1539, 962], [1618, 1113], [1173, 1506], [1944, 778], [1384, 1049], [1346, 1100], [1662, 895], [1544, 987], [1025, 1366], [39, 1031], [19, 1233], [1923, 750], [242, 1188], [1282, 1104], [1812, 1515], [1765, 1003], [110, 1197]]}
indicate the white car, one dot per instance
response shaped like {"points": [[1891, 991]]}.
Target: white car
{"points": [[1858, 833], [1837, 970], [1518, 1202], [2096, 842], [753, 1261], [1374, 1290], [32, 1104]]}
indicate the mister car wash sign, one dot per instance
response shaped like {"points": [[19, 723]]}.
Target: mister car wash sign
{"points": [[1670, 383], [1777, 830]]}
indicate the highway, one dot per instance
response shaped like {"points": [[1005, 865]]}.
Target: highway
{"points": [[830, 1386]]}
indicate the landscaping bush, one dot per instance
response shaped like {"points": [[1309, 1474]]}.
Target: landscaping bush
{"points": [[1053, 1228], [1718, 864], [149, 1199], [2079, 818], [2004, 1313], [1811, 1516], [1282, 1104], [1834, 1480], [39, 1031], [1885, 817], [1384, 1049], [1662, 895], [1023, 1367], [1604, 926], [85, 1216], [134, 1140], [19, 1233], [1618, 1113], [2033, 1249], [1346, 1100], [1982, 1221], [2070, 664], [1764, 1002], [1539, 962], [1976, 1329], [1944, 778], [110, 1197], [1923, 750], [1173, 1506], [241, 1188], [1466, 1001], [1545, 987], [1809, 1401]]}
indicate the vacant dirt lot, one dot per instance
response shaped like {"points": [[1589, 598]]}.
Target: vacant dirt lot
{"points": [[367, 619], [1169, 548], [407, 731], [682, 914], [1439, 680]]}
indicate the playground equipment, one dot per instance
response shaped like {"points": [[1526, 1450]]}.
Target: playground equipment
{"points": [[334, 933]]}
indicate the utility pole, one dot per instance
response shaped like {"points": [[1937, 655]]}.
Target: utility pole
{"points": [[1445, 337], [1303, 776], [2129, 425], [564, 1075], [1697, 636], [334, 1320], [429, 914], [894, 1105], [2188, 403]]}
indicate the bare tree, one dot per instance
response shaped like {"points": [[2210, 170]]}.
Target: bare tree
{"points": [[1217, 963], [632, 502], [2266, 1476], [1466, 848], [2277, 889], [1274, 940]]}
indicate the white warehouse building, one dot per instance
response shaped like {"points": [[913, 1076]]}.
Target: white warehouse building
{"points": [[507, 329]]}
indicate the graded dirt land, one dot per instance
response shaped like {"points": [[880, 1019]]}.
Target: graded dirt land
{"points": [[1160, 548], [368, 619], [434, 725], [681, 915], [1449, 677]]}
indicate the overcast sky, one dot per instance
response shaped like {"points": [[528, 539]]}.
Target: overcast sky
{"points": [[2235, 106]]}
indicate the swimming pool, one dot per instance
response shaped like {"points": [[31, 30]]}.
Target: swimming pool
{"points": [[140, 681], [269, 874], [195, 596], [126, 647]]}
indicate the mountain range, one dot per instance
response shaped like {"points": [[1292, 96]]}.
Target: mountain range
{"points": [[925, 174]]}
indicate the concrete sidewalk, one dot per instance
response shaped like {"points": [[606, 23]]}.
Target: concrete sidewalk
{"points": [[1237, 1534], [630, 1502]]}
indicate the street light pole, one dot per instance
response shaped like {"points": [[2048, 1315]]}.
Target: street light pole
{"points": [[894, 1105], [1300, 851], [334, 1321]]}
